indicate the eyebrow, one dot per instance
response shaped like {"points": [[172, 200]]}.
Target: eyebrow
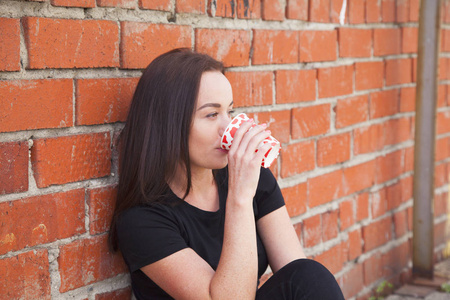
{"points": [[217, 105]]}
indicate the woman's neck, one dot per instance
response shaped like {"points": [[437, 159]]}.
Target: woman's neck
{"points": [[203, 193]]}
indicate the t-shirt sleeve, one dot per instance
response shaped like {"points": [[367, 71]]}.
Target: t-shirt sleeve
{"points": [[148, 234], [268, 195]]}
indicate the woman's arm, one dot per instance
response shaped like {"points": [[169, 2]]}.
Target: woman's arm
{"points": [[279, 238]]}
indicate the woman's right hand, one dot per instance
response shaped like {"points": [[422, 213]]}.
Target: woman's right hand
{"points": [[244, 162]]}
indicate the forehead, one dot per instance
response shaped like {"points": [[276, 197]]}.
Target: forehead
{"points": [[214, 88]]}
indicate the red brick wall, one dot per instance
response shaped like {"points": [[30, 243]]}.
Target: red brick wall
{"points": [[340, 98]]}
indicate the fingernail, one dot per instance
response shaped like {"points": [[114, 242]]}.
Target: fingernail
{"points": [[268, 131], [264, 125]]}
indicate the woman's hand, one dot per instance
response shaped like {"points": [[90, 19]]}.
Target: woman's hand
{"points": [[244, 162]]}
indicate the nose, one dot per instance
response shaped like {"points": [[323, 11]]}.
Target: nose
{"points": [[223, 124]]}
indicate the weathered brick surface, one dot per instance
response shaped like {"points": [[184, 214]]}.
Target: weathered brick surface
{"points": [[232, 47], [141, 42], [25, 276], [71, 158], [295, 85], [74, 3], [251, 88], [13, 167], [62, 43], [335, 81], [317, 45], [9, 44], [101, 101], [101, 203], [86, 261], [275, 47], [117, 3], [310, 121], [35, 104], [48, 218]]}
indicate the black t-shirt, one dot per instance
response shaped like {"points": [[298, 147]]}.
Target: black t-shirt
{"points": [[147, 234]]}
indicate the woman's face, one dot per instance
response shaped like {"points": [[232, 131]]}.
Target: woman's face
{"points": [[211, 117]]}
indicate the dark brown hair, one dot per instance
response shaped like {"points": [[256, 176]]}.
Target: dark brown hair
{"points": [[155, 137]]}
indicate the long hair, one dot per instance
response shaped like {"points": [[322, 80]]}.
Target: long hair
{"points": [[154, 140]]}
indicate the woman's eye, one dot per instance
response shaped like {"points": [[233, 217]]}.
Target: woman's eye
{"points": [[231, 112], [212, 115]]}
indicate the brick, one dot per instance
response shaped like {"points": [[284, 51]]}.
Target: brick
{"points": [[351, 281], [335, 81], [71, 158], [369, 75], [101, 203], [402, 11], [86, 261], [333, 149], [379, 204], [398, 131], [414, 6], [407, 99], [388, 11], [26, 276], [121, 294], [373, 11], [362, 207], [442, 122], [63, 43], [117, 3], [275, 47], [389, 166], [346, 214], [35, 104], [74, 3], [319, 11], [13, 167], [295, 198], [442, 96], [442, 150], [410, 37], [334, 258], [325, 188], [310, 121], [106, 100], [297, 9], [48, 218], [368, 139], [297, 158], [355, 244], [440, 204], [142, 42], [383, 103], [232, 47], [164, 5], [440, 175], [221, 8], [356, 10], [278, 122], [377, 233], [295, 85], [251, 88], [386, 41], [335, 10], [312, 231], [330, 227], [373, 268], [400, 223], [273, 10], [10, 44], [396, 258], [318, 45], [440, 234], [359, 177], [352, 110], [355, 42], [398, 71], [248, 9], [190, 6]]}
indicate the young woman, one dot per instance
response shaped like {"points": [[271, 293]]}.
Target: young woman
{"points": [[194, 221]]}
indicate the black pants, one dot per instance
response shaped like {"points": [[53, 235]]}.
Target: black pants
{"points": [[302, 279]]}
